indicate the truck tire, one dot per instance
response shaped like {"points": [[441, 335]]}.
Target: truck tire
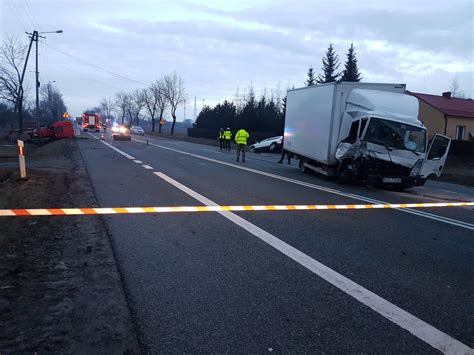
{"points": [[302, 167], [343, 174]]}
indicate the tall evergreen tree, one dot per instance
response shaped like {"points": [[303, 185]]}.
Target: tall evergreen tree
{"points": [[311, 80], [330, 65], [351, 72]]}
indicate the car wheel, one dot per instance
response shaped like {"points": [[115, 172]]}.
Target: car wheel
{"points": [[272, 147], [114, 137]]}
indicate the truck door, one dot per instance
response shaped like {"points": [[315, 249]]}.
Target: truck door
{"points": [[436, 156]]}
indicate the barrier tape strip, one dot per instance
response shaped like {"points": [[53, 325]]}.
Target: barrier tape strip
{"points": [[132, 210]]}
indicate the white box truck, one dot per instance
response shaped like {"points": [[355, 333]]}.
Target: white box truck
{"points": [[364, 132]]}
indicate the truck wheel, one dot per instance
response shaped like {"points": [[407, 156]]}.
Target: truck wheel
{"points": [[344, 175], [302, 167]]}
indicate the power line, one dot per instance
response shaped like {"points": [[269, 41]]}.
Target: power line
{"points": [[17, 15], [95, 66], [29, 12]]}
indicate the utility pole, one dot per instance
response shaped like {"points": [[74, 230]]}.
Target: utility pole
{"points": [[195, 109], [35, 37], [19, 98], [37, 77]]}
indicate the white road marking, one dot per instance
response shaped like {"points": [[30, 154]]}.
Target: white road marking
{"points": [[147, 167], [434, 217], [138, 161], [419, 328]]}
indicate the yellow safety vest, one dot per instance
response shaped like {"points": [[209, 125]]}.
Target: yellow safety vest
{"points": [[221, 135], [227, 134], [241, 136]]}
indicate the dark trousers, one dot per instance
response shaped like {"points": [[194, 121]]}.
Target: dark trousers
{"points": [[227, 144], [283, 152], [221, 144], [241, 148]]}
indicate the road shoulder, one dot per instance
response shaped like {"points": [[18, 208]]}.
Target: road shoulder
{"points": [[60, 287]]}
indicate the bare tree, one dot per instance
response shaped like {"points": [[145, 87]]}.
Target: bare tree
{"points": [[12, 55], [151, 104], [156, 100], [174, 93], [107, 106], [455, 91], [122, 103], [137, 103], [52, 103]]}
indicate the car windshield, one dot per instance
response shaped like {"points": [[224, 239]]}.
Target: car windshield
{"points": [[396, 135]]}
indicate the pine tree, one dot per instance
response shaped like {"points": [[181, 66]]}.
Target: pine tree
{"points": [[330, 65], [311, 80], [351, 72]]}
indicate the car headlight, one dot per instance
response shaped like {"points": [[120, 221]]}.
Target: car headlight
{"points": [[123, 130], [114, 129]]}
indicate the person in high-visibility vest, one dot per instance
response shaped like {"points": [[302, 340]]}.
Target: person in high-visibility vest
{"points": [[228, 138], [221, 138], [241, 139]]}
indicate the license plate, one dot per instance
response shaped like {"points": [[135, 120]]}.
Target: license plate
{"points": [[392, 180]]}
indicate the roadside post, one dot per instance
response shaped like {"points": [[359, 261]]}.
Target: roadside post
{"points": [[21, 157]]}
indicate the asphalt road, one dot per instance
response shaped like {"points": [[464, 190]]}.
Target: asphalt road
{"points": [[335, 281]]}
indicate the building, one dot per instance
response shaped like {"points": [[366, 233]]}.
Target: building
{"points": [[447, 115]]}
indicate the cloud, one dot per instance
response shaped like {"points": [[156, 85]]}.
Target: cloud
{"points": [[218, 46]]}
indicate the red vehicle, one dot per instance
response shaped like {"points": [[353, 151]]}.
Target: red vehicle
{"points": [[91, 121]]}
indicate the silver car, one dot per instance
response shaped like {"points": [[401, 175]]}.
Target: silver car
{"points": [[272, 144], [137, 130]]}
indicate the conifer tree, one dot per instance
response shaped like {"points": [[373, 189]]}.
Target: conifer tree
{"points": [[351, 71], [330, 65]]}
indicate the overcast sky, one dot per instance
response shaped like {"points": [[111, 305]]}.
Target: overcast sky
{"points": [[218, 46]]}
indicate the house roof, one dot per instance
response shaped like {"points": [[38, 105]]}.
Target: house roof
{"points": [[451, 106]]}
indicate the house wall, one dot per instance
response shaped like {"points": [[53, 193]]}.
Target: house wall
{"points": [[432, 118], [454, 121]]}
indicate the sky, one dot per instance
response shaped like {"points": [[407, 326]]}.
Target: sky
{"points": [[221, 47]]}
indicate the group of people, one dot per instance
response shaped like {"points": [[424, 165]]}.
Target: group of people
{"points": [[225, 136]]}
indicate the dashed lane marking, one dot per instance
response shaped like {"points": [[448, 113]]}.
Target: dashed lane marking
{"points": [[423, 214]]}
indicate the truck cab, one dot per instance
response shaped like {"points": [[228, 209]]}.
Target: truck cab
{"points": [[386, 144]]}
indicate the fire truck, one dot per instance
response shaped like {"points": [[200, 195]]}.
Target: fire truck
{"points": [[91, 121]]}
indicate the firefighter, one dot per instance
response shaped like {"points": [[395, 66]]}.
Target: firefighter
{"points": [[221, 138], [228, 137], [241, 139]]}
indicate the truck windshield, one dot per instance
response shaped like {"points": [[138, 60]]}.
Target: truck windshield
{"points": [[396, 135]]}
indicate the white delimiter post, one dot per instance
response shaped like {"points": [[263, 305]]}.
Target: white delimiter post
{"points": [[21, 157]]}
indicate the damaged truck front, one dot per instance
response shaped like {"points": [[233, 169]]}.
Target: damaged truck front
{"points": [[362, 132]]}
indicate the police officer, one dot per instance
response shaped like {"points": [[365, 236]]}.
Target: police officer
{"points": [[221, 138], [241, 139], [228, 137]]}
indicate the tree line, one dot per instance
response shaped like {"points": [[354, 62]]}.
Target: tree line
{"points": [[268, 114], [166, 93]]}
